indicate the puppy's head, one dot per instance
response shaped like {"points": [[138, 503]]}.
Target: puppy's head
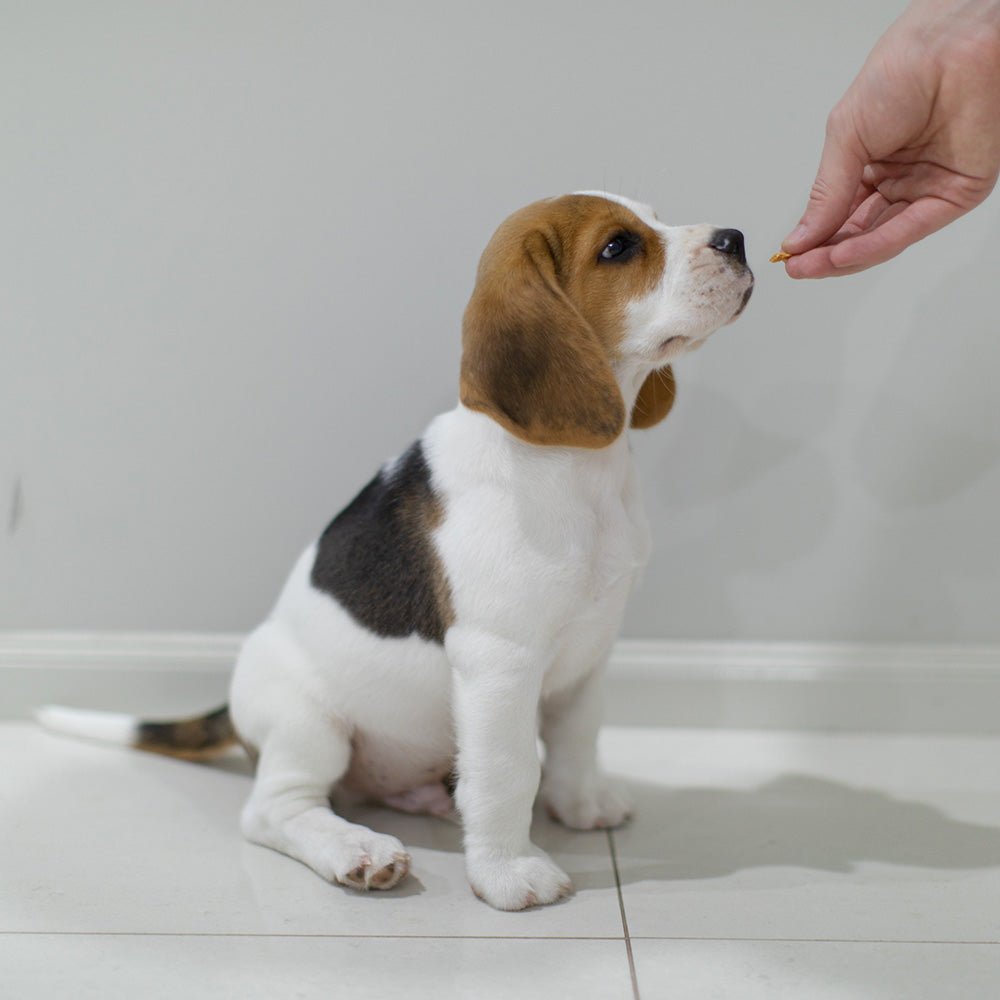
{"points": [[580, 304]]}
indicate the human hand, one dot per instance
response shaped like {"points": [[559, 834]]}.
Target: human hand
{"points": [[913, 144]]}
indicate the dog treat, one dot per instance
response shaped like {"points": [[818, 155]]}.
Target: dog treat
{"points": [[779, 257]]}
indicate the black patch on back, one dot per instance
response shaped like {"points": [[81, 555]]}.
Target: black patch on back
{"points": [[376, 557]]}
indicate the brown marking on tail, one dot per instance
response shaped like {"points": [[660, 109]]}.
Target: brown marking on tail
{"points": [[190, 739]]}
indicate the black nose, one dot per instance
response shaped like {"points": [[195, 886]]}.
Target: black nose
{"points": [[729, 241]]}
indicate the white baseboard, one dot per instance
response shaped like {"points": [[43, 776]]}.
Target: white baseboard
{"points": [[805, 660], [762, 685], [143, 651], [819, 686], [149, 673]]}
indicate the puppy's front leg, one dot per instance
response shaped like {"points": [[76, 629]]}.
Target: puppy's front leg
{"points": [[575, 790], [495, 707]]}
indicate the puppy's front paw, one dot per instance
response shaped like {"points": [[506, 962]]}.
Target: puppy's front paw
{"points": [[517, 883], [599, 807]]}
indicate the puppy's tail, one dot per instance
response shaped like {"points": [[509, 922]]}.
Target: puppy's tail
{"points": [[199, 738]]}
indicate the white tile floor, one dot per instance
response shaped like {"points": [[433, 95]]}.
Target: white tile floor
{"points": [[772, 865]]}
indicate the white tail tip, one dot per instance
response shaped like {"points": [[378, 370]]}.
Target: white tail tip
{"points": [[107, 727]]}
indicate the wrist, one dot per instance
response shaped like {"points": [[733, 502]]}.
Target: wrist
{"points": [[945, 21], [954, 35], [971, 11]]}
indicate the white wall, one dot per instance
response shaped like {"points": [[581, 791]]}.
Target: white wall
{"points": [[237, 239]]}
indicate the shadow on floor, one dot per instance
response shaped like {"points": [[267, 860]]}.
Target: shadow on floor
{"points": [[795, 820]]}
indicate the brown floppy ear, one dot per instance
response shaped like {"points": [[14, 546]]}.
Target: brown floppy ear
{"points": [[656, 397], [529, 359]]}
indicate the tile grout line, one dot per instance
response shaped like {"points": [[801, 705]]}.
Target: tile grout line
{"points": [[286, 935], [621, 907], [289, 935], [903, 942]]}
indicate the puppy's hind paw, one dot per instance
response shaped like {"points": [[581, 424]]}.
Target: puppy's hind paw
{"points": [[382, 863], [603, 807], [367, 876]]}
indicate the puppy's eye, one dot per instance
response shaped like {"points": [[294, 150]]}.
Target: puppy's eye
{"points": [[613, 249], [620, 248]]}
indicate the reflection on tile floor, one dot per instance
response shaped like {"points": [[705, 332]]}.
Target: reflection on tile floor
{"points": [[778, 865]]}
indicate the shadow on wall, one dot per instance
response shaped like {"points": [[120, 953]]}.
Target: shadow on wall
{"points": [[857, 502], [927, 452], [749, 498], [926, 441]]}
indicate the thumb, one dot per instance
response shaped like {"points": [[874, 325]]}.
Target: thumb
{"points": [[831, 199]]}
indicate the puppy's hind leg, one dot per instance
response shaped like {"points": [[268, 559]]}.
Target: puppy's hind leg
{"points": [[289, 809], [574, 788]]}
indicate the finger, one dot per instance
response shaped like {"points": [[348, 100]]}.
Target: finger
{"points": [[867, 214], [897, 229], [836, 188], [874, 211], [814, 264]]}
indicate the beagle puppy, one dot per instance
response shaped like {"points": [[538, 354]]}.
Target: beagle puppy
{"points": [[465, 602]]}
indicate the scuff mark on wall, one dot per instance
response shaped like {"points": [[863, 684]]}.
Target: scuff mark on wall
{"points": [[16, 507]]}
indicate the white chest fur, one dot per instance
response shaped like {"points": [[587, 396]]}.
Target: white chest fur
{"points": [[540, 544]]}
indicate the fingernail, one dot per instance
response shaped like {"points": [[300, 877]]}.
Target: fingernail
{"points": [[792, 240]]}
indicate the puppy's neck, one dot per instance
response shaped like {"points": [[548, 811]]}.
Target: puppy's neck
{"points": [[630, 375]]}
